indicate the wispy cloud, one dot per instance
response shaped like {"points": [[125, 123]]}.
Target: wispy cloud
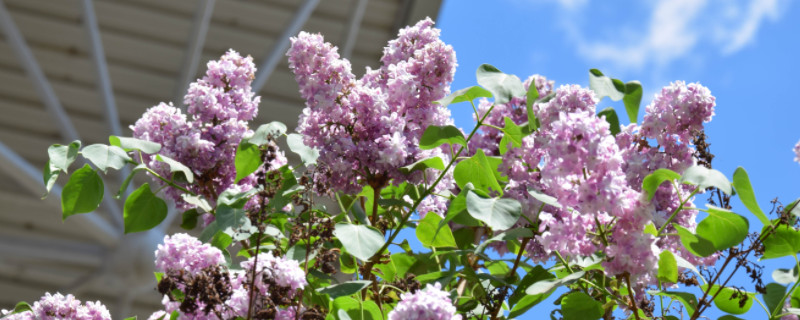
{"points": [[671, 30]]}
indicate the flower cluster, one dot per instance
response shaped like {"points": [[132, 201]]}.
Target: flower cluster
{"points": [[192, 266], [797, 152], [366, 129], [219, 105], [597, 178], [60, 307], [184, 252], [429, 304]]}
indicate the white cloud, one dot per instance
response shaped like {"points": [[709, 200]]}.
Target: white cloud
{"points": [[674, 29]]}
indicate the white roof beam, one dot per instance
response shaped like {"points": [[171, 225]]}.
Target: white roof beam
{"points": [[282, 43], [101, 67], [351, 33], [194, 50], [43, 88]]}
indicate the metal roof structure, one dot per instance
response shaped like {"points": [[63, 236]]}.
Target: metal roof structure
{"points": [[82, 69]]}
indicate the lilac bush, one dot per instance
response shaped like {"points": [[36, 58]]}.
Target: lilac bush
{"points": [[609, 217]]}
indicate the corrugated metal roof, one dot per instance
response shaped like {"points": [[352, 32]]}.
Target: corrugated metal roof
{"points": [[145, 44]]}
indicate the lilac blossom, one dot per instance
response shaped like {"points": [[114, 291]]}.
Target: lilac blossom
{"points": [[60, 307], [797, 152], [184, 252], [429, 304], [205, 139], [366, 129]]}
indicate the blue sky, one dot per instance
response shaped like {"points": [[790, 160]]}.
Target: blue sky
{"points": [[745, 52]]}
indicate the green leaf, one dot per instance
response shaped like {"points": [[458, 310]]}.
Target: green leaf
{"points": [[143, 210], [124, 187], [513, 234], [652, 181], [431, 234], [774, 296], [50, 176], [62, 156], [273, 128], [522, 302], [633, 99], [545, 286], [427, 163], [546, 199], [479, 172], [20, 307], [704, 178], [502, 86], [612, 119], [307, 154], [688, 300], [175, 166], [741, 182], [105, 157], [606, 87], [232, 220], [129, 144], [189, 219], [131, 318], [347, 308], [466, 94], [512, 133], [697, 245], [497, 213], [197, 201], [345, 288], [723, 228], [667, 267], [785, 276], [435, 136], [580, 306], [82, 193], [785, 241], [361, 241], [650, 229], [794, 300], [531, 97], [726, 301], [247, 159]]}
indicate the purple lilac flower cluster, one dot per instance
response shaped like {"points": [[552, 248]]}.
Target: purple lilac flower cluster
{"points": [[366, 129], [60, 307], [429, 304], [184, 253], [597, 178], [797, 152], [219, 105]]}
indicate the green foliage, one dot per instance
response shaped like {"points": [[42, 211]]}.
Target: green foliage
{"points": [[104, 157], [724, 229], [180, 171], [785, 241], [82, 193], [131, 144], [774, 296], [427, 163], [667, 267], [652, 181], [62, 156], [434, 234], [513, 134], [478, 171], [611, 117], [497, 213], [580, 306], [703, 178], [728, 299], [143, 210], [502, 86], [463, 95], [741, 182], [307, 154], [615, 89], [435, 136], [361, 241], [344, 289], [247, 160]]}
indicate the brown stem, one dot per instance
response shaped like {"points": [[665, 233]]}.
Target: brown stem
{"points": [[633, 300]]}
